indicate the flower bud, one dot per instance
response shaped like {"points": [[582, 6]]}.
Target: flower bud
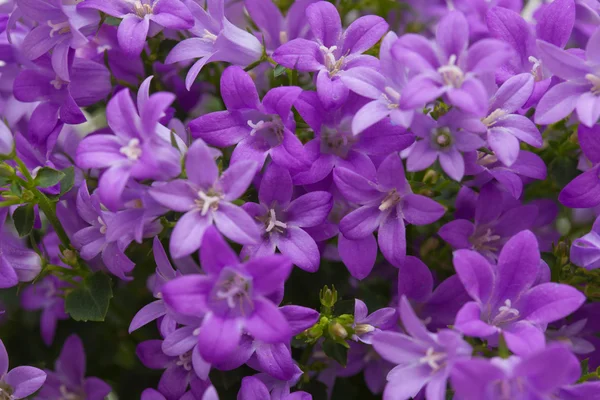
{"points": [[7, 142], [338, 331]]}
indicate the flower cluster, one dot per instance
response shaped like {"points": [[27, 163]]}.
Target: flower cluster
{"points": [[297, 200]]}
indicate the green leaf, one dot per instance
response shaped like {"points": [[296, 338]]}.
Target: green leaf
{"points": [[336, 351], [279, 70], [66, 183], [90, 301], [47, 177], [23, 218]]}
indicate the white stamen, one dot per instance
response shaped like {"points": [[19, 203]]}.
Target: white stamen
{"points": [[141, 10], [60, 28], [208, 35], [255, 127], [595, 81], [132, 151], [507, 308], [333, 65], [283, 37], [361, 329], [491, 119], [58, 83], [102, 226], [206, 202], [536, 70], [432, 358], [185, 361], [102, 48], [235, 288], [452, 74], [389, 201], [272, 222]]}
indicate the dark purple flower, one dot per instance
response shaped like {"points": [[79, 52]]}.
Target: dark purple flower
{"points": [[331, 53], [216, 39], [142, 18], [17, 262], [231, 297], [422, 358], [281, 220], [20, 382], [449, 67], [506, 298], [206, 198], [585, 251], [68, 379], [256, 128], [385, 204], [366, 325]]}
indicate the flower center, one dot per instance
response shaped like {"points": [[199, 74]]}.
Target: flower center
{"points": [[506, 313], [483, 241], [491, 119], [283, 37], [59, 27], [361, 329], [595, 81], [269, 127], [536, 69], [273, 224], [390, 200], [65, 394], [185, 361], [209, 36], [442, 138], [333, 66], [337, 140], [58, 83], [102, 226], [132, 151], [207, 201], [6, 391], [433, 359], [233, 293], [141, 10], [451, 74], [392, 97]]}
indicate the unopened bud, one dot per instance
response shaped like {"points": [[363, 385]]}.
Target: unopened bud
{"points": [[361, 329], [7, 141], [338, 331], [27, 196], [328, 296]]}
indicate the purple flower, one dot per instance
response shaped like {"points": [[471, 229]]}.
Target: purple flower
{"points": [[331, 53], [206, 198], [7, 141], [554, 25], [422, 358], [276, 30], [19, 382], [134, 150], [385, 204], [383, 88], [506, 299], [254, 389], [142, 18], [102, 235], [449, 67], [17, 262], [334, 143], [362, 357], [517, 377], [581, 87], [366, 325], [497, 217], [256, 128], [232, 298], [584, 190], [280, 220], [68, 380], [60, 28], [60, 99], [444, 139], [216, 39], [585, 251], [436, 308]]}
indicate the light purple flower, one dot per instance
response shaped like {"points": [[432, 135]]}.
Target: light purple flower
{"points": [[206, 198], [68, 378], [134, 150], [216, 39], [517, 377], [258, 129], [281, 220], [7, 141], [61, 27], [142, 18], [231, 297], [449, 67], [335, 145], [422, 358], [585, 251], [366, 325], [331, 53], [506, 299], [19, 382], [581, 87], [445, 139], [383, 88], [254, 389], [385, 204], [17, 262]]}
